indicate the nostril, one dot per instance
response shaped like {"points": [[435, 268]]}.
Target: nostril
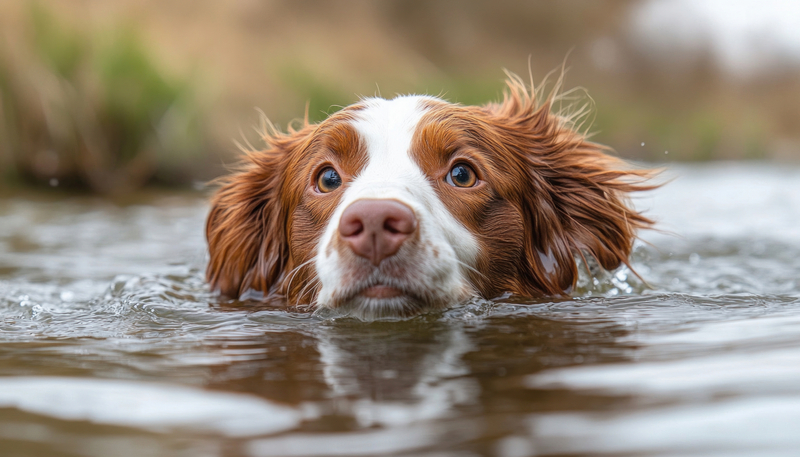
{"points": [[356, 228], [404, 224], [391, 226], [351, 226]]}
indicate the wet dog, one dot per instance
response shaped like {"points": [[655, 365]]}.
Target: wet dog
{"points": [[394, 207]]}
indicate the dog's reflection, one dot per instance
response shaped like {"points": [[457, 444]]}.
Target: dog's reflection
{"points": [[351, 374], [396, 373], [376, 373]]}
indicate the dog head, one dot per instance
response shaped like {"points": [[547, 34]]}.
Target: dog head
{"points": [[392, 207]]}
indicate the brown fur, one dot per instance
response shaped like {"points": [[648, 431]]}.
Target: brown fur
{"points": [[550, 194], [263, 225], [546, 195]]}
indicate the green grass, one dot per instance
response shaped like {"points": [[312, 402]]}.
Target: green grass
{"points": [[94, 110]]}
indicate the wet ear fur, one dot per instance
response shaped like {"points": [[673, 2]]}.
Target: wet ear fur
{"points": [[573, 196], [246, 228]]}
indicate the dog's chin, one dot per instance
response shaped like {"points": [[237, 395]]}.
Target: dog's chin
{"points": [[382, 296], [381, 303], [371, 308]]}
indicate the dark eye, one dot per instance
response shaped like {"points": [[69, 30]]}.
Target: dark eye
{"points": [[328, 180], [461, 175]]}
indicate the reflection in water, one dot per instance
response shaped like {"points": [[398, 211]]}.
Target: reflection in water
{"points": [[389, 383], [106, 305]]}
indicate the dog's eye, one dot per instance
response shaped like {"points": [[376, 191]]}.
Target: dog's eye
{"points": [[462, 175], [328, 180]]}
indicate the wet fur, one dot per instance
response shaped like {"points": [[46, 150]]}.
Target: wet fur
{"points": [[552, 195]]}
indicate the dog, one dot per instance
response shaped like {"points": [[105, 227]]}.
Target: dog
{"points": [[396, 207]]}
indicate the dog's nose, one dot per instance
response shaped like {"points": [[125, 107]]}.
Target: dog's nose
{"points": [[375, 229]]}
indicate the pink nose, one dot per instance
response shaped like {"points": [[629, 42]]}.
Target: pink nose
{"points": [[375, 229]]}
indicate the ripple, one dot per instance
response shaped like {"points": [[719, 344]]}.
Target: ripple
{"points": [[156, 407], [101, 305]]}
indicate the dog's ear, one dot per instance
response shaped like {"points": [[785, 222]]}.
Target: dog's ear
{"points": [[573, 197], [246, 228]]}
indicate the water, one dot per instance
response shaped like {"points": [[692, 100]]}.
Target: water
{"points": [[111, 344]]}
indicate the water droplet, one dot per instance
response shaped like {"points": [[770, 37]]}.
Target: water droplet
{"points": [[642, 143], [53, 182], [666, 152]]}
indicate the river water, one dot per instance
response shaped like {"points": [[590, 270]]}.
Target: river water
{"points": [[112, 345]]}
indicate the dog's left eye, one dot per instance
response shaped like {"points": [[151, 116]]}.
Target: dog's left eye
{"points": [[328, 180], [461, 175]]}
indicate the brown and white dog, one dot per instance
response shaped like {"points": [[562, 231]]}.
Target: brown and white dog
{"points": [[394, 207]]}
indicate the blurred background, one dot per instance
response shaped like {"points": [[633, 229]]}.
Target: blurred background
{"points": [[111, 96]]}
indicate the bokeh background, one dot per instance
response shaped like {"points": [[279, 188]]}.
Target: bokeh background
{"points": [[111, 96]]}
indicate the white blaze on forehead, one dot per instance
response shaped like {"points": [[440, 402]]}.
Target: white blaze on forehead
{"points": [[387, 128]]}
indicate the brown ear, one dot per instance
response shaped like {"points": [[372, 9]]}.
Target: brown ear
{"points": [[573, 196], [246, 228]]}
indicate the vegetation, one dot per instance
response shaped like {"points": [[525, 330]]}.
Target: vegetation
{"points": [[93, 111], [97, 95]]}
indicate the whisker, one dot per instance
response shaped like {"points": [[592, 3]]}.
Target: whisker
{"points": [[314, 284], [471, 268], [296, 270]]}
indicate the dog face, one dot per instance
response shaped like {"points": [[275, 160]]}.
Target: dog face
{"points": [[393, 207]]}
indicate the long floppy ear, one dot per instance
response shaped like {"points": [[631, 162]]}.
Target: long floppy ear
{"points": [[246, 228], [574, 197]]}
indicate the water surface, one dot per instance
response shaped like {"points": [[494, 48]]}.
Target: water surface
{"points": [[111, 343]]}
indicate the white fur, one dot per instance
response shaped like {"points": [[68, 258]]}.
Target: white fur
{"points": [[386, 128]]}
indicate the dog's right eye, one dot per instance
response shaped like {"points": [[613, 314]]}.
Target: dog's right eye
{"points": [[328, 180]]}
